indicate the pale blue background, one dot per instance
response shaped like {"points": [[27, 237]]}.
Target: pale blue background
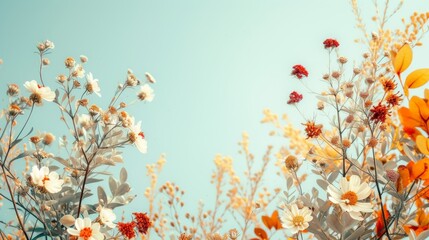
{"points": [[218, 65]]}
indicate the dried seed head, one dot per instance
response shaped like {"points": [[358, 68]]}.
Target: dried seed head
{"points": [[61, 78], [291, 163], [46, 61], [368, 103], [336, 74], [69, 62], [342, 60], [83, 59], [369, 80], [12, 90], [346, 143], [320, 105], [335, 140], [363, 95], [48, 139], [350, 118], [392, 175], [356, 71], [361, 128], [373, 142], [325, 76]]}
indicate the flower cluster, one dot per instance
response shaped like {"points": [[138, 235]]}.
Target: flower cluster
{"points": [[54, 194]]}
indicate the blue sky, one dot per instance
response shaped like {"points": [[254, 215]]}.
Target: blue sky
{"points": [[218, 65]]}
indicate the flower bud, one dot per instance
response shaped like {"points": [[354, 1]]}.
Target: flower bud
{"points": [[83, 59], [69, 62], [67, 220], [46, 61]]}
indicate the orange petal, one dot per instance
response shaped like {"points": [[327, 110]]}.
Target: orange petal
{"points": [[403, 59], [261, 233], [423, 144], [420, 169], [404, 178]]}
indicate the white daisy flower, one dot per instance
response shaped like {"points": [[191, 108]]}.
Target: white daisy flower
{"points": [[92, 85], [39, 92], [136, 136], [146, 93], [349, 194], [295, 219], [107, 216], [85, 230], [47, 180]]}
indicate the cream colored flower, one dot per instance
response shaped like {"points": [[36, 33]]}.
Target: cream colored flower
{"points": [[78, 71], [39, 92], [295, 219], [92, 85], [150, 78], [47, 180], [136, 136], [146, 93], [49, 44], [349, 194], [83, 58], [107, 216], [85, 230]]}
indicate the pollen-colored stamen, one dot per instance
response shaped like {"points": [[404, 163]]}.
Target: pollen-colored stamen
{"points": [[298, 220], [141, 134], [85, 233], [46, 178], [350, 198]]}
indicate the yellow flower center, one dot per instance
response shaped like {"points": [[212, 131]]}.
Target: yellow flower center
{"points": [[85, 233], [350, 197], [298, 220], [36, 98], [132, 136]]}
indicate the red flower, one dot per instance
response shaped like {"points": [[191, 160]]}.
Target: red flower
{"points": [[312, 130], [294, 97], [127, 229], [299, 71], [143, 222], [331, 43], [379, 113]]}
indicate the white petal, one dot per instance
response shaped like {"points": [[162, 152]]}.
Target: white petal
{"points": [[354, 183], [356, 216], [73, 232], [79, 224], [87, 222], [344, 185], [364, 191]]}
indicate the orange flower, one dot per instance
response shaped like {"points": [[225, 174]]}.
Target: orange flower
{"points": [[405, 177], [416, 116], [420, 169], [262, 235], [379, 226], [273, 221], [422, 219]]}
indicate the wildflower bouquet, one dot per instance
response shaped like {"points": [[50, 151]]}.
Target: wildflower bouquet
{"points": [[56, 195], [368, 159]]}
